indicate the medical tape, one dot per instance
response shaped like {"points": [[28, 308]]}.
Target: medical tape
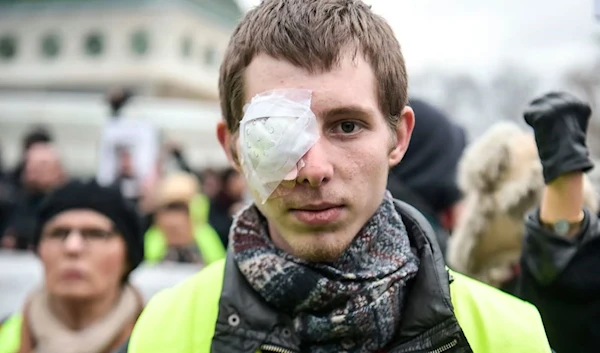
{"points": [[277, 130]]}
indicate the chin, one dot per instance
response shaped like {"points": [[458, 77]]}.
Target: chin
{"points": [[319, 248], [73, 293]]}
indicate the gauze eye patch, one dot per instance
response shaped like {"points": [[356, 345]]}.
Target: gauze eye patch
{"points": [[277, 130]]}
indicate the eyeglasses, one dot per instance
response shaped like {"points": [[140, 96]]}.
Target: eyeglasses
{"points": [[89, 235]]}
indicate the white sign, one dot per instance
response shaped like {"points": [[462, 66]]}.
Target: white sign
{"points": [[597, 9], [128, 147]]}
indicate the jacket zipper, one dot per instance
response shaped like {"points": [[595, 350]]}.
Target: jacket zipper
{"points": [[274, 349], [271, 348], [448, 346]]}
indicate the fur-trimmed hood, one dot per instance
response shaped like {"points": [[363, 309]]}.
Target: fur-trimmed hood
{"points": [[501, 177]]}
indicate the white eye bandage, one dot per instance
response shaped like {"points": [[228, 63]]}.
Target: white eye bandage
{"points": [[277, 130]]}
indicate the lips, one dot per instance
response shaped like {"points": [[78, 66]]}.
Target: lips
{"points": [[318, 214], [72, 274], [317, 207]]}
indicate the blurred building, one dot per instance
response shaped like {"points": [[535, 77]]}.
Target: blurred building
{"points": [[59, 57]]}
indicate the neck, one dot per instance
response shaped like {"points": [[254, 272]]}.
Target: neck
{"points": [[78, 314]]}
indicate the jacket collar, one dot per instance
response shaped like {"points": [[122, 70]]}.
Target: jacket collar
{"points": [[428, 299]]}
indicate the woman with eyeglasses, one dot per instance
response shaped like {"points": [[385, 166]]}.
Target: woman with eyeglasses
{"points": [[89, 239]]}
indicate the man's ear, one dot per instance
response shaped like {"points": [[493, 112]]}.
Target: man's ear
{"points": [[403, 132], [228, 143]]}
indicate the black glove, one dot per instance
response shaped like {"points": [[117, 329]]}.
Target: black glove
{"points": [[560, 123]]}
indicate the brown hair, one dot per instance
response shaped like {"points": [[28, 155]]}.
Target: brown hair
{"points": [[313, 34]]}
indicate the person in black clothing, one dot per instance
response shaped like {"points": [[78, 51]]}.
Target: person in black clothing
{"points": [[37, 135], [226, 203], [211, 183], [501, 177], [42, 173], [8, 196], [561, 255], [426, 176]]}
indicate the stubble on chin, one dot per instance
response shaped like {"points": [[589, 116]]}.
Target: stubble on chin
{"points": [[313, 250]]}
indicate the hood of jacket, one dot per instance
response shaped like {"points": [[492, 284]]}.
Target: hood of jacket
{"points": [[500, 175]]}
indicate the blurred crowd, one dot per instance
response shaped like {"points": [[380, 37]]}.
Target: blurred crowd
{"points": [[486, 245], [182, 217], [212, 195]]}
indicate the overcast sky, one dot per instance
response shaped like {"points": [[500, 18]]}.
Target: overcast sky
{"points": [[476, 36]]}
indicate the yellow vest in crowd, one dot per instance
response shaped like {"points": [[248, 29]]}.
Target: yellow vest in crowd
{"points": [[208, 241], [182, 319], [155, 246]]}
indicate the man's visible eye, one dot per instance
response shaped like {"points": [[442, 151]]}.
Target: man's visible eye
{"points": [[347, 127]]}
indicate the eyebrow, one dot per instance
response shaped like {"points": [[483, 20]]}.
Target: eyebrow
{"points": [[352, 110]]}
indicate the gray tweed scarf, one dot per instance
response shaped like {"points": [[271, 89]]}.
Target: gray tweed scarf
{"points": [[352, 305]]}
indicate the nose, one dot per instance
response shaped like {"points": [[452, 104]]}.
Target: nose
{"points": [[317, 167], [74, 243]]}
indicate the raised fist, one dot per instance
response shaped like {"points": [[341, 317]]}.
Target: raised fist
{"points": [[560, 123]]}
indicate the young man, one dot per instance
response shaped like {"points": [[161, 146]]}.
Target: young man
{"points": [[313, 95]]}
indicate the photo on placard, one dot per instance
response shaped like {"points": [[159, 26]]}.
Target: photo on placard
{"points": [[128, 154], [125, 164]]}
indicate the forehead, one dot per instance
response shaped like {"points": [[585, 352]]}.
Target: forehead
{"points": [[41, 159], [79, 218], [351, 83]]}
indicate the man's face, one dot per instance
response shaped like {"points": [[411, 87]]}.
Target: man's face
{"points": [[345, 173], [175, 223], [82, 256], [43, 170]]}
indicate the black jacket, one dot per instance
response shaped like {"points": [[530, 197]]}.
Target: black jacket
{"points": [[401, 191], [245, 322], [562, 278], [428, 322]]}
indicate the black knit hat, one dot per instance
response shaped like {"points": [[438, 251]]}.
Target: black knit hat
{"points": [[105, 200]]}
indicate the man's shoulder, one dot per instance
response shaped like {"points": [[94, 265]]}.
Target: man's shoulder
{"points": [[171, 315], [491, 318], [205, 285], [469, 289]]}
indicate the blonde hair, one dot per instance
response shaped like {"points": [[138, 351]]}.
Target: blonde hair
{"points": [[178, 187]]}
